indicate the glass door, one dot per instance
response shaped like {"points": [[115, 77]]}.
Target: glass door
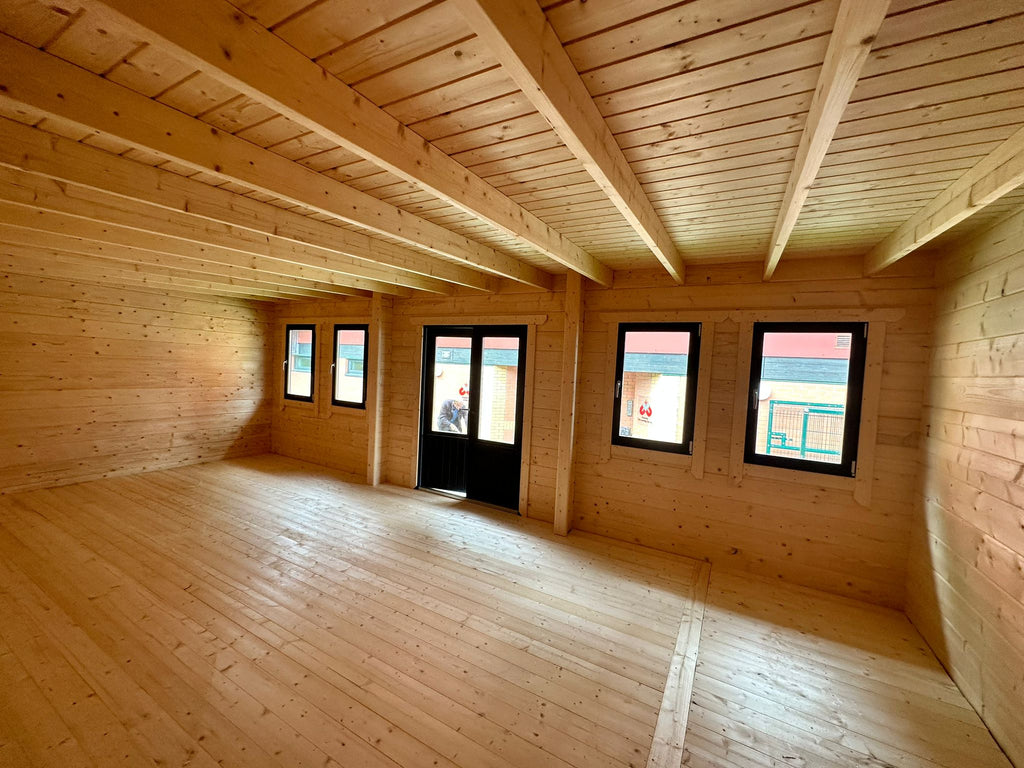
{"points": [[472, 425]]}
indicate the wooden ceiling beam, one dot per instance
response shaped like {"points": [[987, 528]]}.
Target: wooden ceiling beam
{"points": [[999, 172], [518, 33], [20, 226], [134, 224], [144, 263], [65, 265], [856, 25], [55, 87], [222, 41], [31, 149]]}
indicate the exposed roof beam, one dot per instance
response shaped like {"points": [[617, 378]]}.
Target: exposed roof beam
{"points": [[999, 172], [45, 231], [216, 37], [26, 226], [55, 87], [130, 223], [518, 33], [856, 25], [31, 149], [65, 265]]}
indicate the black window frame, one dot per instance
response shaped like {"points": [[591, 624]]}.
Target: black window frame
{"points": [[338, 327], [312, 361], [690, 406], [847, 467]]}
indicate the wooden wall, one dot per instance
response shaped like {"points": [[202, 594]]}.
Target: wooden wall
{"points": [[319, 432], [801, 527], [804, 528], [966, 575], [97, 381]]}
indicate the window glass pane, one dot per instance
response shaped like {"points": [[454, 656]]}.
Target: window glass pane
{"points": [[499, 382], [451, 383], [801, 409], [299, 381], [349, 356], [653, 399]]}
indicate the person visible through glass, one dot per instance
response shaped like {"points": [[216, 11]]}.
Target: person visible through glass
{"points": [[452, 416]]}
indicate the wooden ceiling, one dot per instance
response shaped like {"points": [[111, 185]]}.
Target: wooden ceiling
{"points": [[278, 149]]}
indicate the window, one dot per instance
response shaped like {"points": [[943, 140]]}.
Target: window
{"points": [[806, 381], [350, 349], [300, 362], [656, 386]]}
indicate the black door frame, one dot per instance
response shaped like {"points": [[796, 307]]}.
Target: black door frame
{"points": [[480, 458]]}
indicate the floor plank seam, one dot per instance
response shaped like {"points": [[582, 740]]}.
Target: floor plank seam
{"points": [[670, 729]]}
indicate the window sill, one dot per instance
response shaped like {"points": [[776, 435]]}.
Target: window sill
{"points": [[802, 477], [646, 456], [352, 410]]}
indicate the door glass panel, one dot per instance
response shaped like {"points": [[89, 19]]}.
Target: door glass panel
{"points": [[499, 380], [801, 410], [451, 384], [653, 402]]}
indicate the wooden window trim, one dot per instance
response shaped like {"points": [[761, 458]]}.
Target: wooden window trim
{"points": [[695, 462], [860, 487]]}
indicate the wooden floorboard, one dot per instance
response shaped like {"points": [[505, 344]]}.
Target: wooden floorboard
{"points": [[264, 612], [793, 677]]}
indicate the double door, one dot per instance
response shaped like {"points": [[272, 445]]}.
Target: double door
{"points": [[471, 432]]}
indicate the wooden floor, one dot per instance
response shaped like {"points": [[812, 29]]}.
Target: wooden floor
{"points": [[261, 612], [795, 677]]}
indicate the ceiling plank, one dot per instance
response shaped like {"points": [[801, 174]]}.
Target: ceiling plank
{"points": [[216, 37], [518, 33], [998, 173], [856, 25], [27, 148], [53, 86], [132, 223]]}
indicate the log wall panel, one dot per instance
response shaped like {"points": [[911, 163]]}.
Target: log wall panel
{"points": [[966, 572], [326, 434], [796, 528], [98, 381]]}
